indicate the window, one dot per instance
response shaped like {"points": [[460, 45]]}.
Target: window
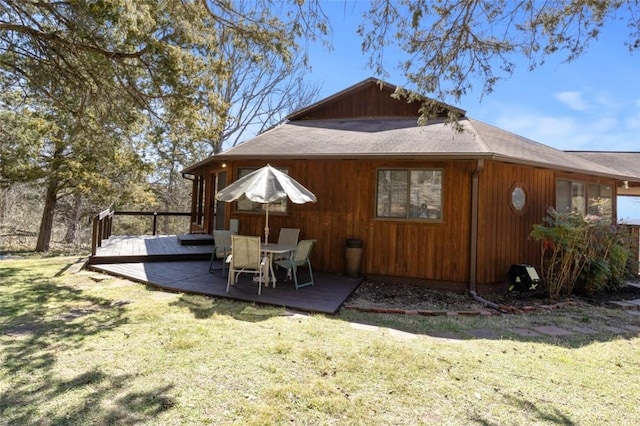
{"points": [[592, 199], [518, 198], [599, 201], [409, 194], [245, 205], [570, 196]]}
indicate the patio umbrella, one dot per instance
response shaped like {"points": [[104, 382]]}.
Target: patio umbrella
{"points": [[267, 185]]}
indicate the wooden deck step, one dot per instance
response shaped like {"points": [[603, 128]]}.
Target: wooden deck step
{"points": [[195, 239], [125, 249], [104, 260]]}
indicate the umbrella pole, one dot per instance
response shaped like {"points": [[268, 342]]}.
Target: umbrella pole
{"points": [[266, 227]]}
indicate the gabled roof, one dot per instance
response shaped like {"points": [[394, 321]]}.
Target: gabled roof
{"points": [[316, 132], [370, 97]]}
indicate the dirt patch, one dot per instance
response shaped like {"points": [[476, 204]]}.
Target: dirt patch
{"points": [[416, 297], [409, 297]]}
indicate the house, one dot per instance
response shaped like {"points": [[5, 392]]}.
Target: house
{"points": [[450, 209]]}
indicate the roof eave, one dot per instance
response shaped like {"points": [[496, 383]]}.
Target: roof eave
{"points": [[544, 165], [402, 156]]}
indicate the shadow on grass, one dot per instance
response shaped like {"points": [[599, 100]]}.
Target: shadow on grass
{"points": [[497, 328], [554, 417], [204, 307], [104, 399], [8, 271], [40, 319]]}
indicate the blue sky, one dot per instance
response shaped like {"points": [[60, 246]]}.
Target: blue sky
{"points": [[592, 103]]}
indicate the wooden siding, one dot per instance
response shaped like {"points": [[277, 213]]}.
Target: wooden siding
{"points": [[430, 251], [370, 101], [503, 234], [345, 209]]}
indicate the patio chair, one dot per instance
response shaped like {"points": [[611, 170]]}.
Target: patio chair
{"points": [[287, 237], [299, 258], [245, 258], [234, 225], [221, 248]]}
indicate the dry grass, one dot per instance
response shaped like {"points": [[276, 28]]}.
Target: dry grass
{"points": [[77, 351]]}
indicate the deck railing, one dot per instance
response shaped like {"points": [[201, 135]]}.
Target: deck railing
{"points": [[103, 224]]}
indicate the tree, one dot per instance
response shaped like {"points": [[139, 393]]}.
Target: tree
{"points": [[260, 89], [65, 155], [91, 70], [164, 57], [260, 97], [448, 43]]}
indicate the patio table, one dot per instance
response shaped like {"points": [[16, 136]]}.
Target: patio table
{"points": [[269, 250]]}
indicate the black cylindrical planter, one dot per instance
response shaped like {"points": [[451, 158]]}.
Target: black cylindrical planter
{"points": [[353, 255]]}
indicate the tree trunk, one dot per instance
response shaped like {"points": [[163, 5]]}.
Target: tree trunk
{"points": [[46, 224], [74, 218]]}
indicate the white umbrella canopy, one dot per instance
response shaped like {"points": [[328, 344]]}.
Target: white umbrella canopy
{"points": [[267, 185]]}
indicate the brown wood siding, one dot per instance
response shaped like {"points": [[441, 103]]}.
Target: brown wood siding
{"points": [[345, 190], [437, 251], [367, 102], [503, 234]]}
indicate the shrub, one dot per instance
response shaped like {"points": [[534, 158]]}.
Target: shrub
{"points": [[606, 269], [582, 253]]}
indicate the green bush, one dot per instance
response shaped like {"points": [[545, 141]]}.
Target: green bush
{"points": [[581, 253], [608, 255]]}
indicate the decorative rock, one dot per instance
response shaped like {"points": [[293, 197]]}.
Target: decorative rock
{"points": [[585, 330], [623, 305], [615, 330], [553, 331], [524, 332]]}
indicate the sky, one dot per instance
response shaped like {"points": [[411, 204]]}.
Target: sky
{"points": [[592, 103]]}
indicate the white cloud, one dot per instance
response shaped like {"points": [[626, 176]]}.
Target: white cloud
{"points": [[607, 102], [604, 124], [572, 99], [550, 131], [600, 120], [570, 132]]}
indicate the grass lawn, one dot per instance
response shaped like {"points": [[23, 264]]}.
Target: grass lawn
{"points": [[77, 351]]}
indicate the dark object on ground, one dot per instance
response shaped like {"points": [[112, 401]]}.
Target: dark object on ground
{"points": [[523, 278]]}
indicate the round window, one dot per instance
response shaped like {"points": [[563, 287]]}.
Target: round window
{"points": [[518, 198]]}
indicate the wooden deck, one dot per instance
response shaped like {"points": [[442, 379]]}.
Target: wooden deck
{"points": [[164, 263], [147, 248]]}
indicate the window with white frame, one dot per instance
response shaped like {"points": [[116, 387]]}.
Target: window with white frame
{"points": [[409, 194], [589, 199]]}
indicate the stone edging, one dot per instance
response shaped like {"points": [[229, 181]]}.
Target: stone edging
{"points": [[502, 309]]}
